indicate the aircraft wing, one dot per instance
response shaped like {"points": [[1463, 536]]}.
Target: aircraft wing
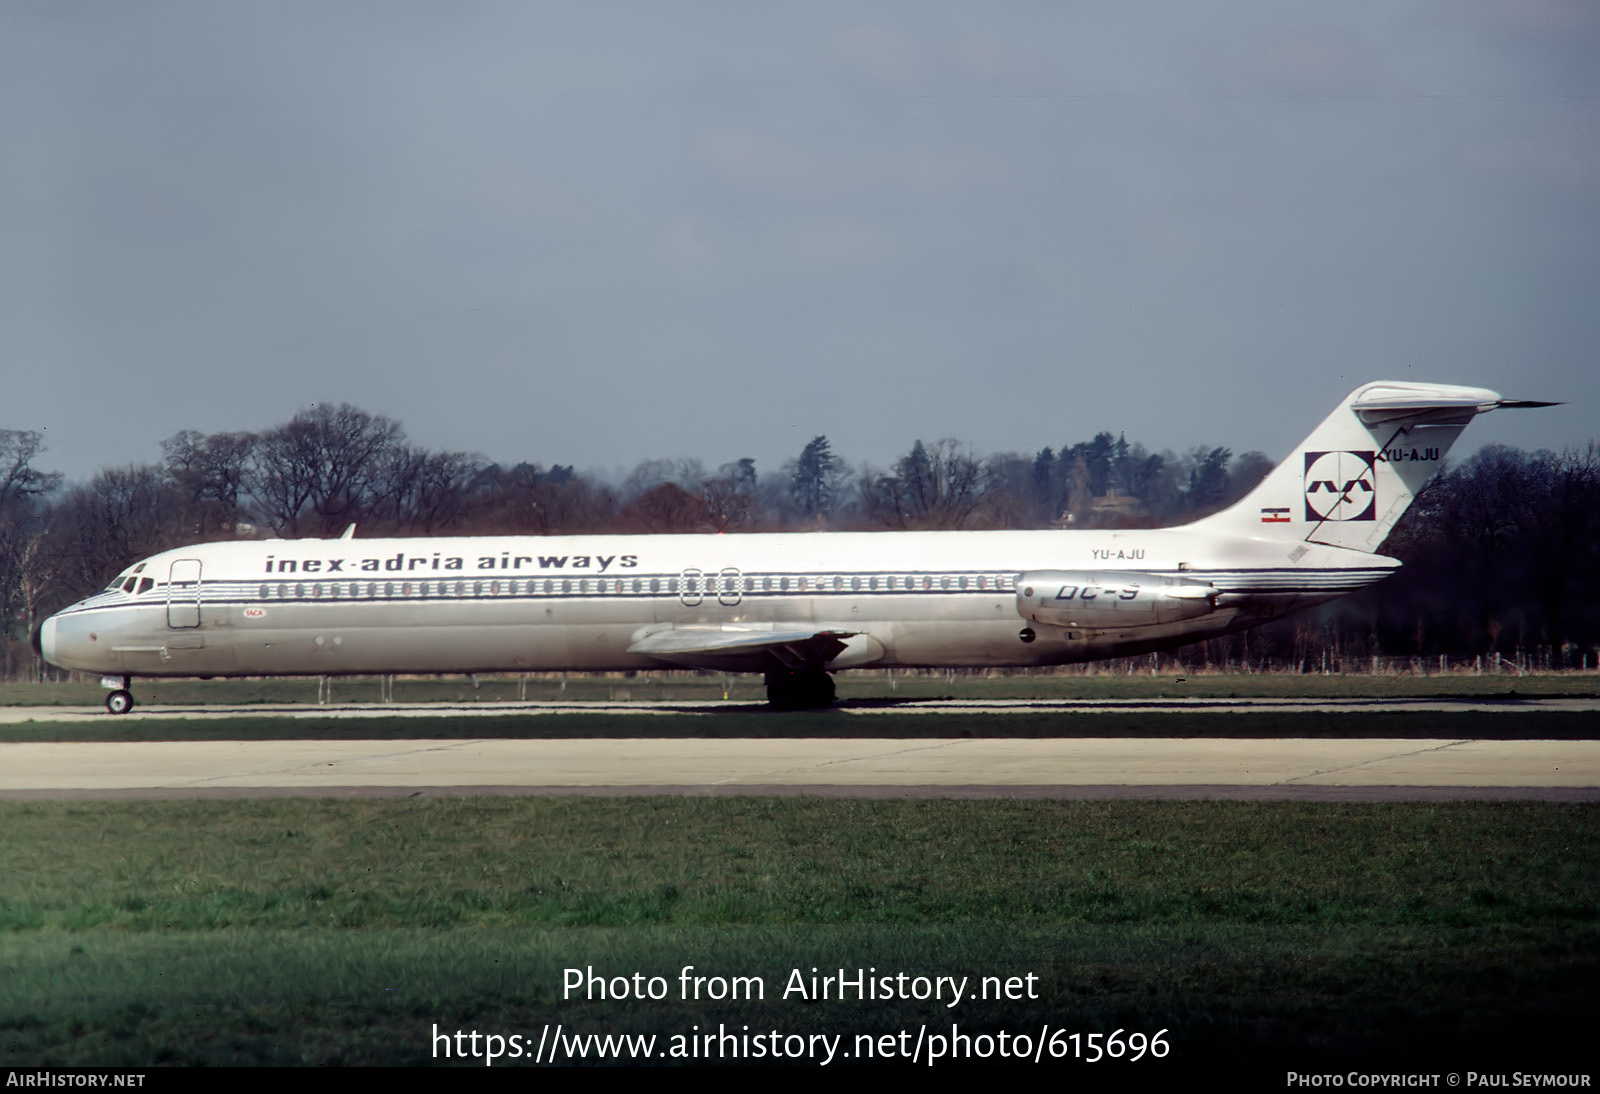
{"points": [[734, 645]]}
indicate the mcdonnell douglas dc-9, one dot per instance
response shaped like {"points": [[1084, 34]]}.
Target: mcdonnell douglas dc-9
{"points": [[794, 606]]}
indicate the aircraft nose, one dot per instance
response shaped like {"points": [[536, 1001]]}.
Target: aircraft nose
{"points": [[44, 639]]}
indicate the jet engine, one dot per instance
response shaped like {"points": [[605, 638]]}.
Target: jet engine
{"points": [[1120, 598]]}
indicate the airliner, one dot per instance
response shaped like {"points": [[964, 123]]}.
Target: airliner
{"points": [[796, 607]]}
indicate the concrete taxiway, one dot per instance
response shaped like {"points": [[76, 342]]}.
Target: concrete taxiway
{"points": [[1005, 767]]}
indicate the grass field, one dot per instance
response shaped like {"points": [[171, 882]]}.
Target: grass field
{"points": [[294, 931], [687, 687]]}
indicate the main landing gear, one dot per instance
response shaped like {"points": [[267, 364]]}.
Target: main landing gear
{"points": [[120, 701], [806, 690]]}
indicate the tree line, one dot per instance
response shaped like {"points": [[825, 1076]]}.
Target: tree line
{"points": [[1501, 549]]}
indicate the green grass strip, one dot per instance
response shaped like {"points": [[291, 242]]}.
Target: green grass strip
{"points": [[758, 723], [303, 931]]}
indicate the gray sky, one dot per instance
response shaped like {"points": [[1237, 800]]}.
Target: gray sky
{"points": [[595, 232]]}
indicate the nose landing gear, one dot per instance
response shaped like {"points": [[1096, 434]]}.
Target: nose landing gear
{"points": [[120, 701]]}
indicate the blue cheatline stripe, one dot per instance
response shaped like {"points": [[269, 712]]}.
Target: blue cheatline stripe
{"points": [[709, 586]]}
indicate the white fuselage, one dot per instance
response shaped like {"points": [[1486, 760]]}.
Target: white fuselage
{"points": [[522, 603]]}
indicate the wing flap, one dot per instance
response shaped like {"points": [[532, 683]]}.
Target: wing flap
{"points": [[712, 646]]}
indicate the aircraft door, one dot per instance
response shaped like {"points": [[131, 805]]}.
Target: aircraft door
{"points": [[183, 593], [689, 591], [728, 591]]}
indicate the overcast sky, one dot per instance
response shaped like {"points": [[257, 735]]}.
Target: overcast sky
{"points": [[595, 232]]}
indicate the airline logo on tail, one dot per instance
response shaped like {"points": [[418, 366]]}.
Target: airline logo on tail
{"points": [[1339, 486]]}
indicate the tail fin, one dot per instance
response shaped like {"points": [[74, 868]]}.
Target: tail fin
{"points": [[1348, 483]]}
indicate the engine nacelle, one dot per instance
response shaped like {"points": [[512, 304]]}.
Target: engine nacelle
{"points": [[1111, 598]]}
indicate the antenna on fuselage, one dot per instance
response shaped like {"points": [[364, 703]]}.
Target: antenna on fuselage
{"points": [[349, 533]]}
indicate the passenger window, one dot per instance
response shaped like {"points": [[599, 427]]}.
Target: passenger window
{"points": [[266, 591], [855, 584]]}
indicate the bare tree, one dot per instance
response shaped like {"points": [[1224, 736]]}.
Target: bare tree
{"points": [[120, 515], [209, 473], [727, 507], [666, 507], [19, 479], [322, 470], [933, 486], [530, 500], [22, 487], [425, 493]]}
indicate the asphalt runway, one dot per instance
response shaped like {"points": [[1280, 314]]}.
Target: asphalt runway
{"points": [[1282, 768], [1306, 769]]}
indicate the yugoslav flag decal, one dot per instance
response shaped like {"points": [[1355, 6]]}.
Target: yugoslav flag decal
{"points": [[1339, 486], [1275, 516]]}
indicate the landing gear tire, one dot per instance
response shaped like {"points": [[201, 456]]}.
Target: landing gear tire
{"points": [[119, 701], [800, 690]]}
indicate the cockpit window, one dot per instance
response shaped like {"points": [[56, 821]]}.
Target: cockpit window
{"points": [[127, 586], [145, 583]]}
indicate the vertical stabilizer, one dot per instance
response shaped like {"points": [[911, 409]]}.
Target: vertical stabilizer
{"points": [[1347, 484]]}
